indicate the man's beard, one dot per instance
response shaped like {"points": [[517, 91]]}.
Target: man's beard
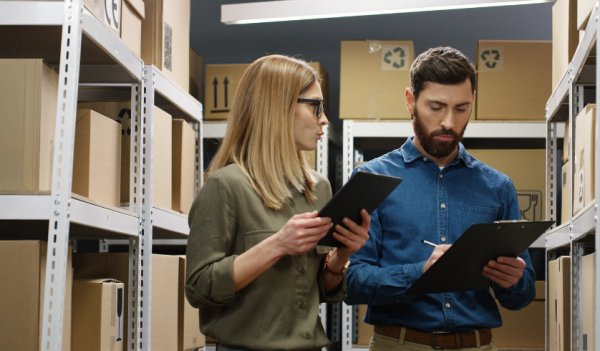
{"points": [[435, 147]]}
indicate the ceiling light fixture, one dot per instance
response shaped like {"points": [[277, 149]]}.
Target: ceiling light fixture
{"points": [[293, 10]]}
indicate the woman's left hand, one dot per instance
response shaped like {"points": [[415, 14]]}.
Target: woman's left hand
{"points": [[353, 238]]}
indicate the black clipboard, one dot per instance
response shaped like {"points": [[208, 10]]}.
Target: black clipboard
{"points": [[459, 268], [364, 190]]}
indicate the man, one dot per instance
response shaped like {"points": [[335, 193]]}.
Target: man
{"points": [[444, 191]]}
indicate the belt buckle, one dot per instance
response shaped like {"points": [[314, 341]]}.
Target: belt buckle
{"points": [[434, 340]]}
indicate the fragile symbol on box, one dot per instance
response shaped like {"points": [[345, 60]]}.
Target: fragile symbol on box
{"points": [[395, 58], [112, 12]]}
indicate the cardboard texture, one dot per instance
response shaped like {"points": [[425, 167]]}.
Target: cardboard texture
{"points": [[164, 285], [584, 173], [365, 331], [27, 122], [108, 12], [166, 39], [132, 14], [588, 288], [559, 304], [374, 75], [514, 79], [565, 38], [98, 319], [526, 169], [584, 10], [97, 158], [195, 75], [23, 274], [188, 332], [567, 186], [162, 161], [184, 152], [566, 143], [524, 328], [221, 81]]}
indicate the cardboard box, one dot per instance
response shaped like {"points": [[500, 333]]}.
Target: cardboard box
{"points": [[514, 79], [567, 186], [585, 146], [166, 39], [195, 75], [23, 277], [584, 10], [98, 318], [566, 143], [164, 278], [365, 331], [588, 287], [108, 12], [374, 76], [28, 96], [526, 169], [559, 304], [524, 328], [97, 158], [184, 162], [189, 335], [162, 158], [565, 38], [133, 12], [221, 81]]}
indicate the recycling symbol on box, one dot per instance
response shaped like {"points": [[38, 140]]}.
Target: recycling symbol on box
{"points": [[395, 58], [491, 59]]}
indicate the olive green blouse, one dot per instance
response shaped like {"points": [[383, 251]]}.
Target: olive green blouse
{"points": [[279, 310]]}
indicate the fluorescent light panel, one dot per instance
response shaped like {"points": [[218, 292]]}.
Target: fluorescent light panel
{"points": [[293, 10]]}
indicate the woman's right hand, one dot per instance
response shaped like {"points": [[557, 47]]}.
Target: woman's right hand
{"points": [[302, 232]]}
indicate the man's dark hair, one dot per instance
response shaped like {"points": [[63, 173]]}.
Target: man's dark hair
{"points": [[442, 65]]}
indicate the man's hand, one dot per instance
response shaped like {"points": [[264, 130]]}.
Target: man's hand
{"points": [[505, 271], [435, 255]]}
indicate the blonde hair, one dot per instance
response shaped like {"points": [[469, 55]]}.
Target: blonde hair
{"points": [[260, 136]]}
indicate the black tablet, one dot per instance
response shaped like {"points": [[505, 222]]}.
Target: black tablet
{"points": [[364, 190], [460, 268]]}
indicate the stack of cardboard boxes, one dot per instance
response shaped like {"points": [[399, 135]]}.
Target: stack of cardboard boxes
{"points": [[96, 300]]}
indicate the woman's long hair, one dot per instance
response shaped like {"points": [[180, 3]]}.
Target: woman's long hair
{"points": [[260, 136]]}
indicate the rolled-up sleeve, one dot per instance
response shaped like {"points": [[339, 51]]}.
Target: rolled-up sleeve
{"points": [[209, 271]]}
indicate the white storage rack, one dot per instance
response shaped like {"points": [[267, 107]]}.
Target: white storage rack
{"points": [[564, 105], [217, 129], [69, 217], [403, 129]]}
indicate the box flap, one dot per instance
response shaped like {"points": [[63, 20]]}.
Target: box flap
{"points": [[540, 290], [138, 6]]}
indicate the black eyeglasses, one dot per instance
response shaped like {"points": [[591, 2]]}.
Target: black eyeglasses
{"points": [[319, 107]]}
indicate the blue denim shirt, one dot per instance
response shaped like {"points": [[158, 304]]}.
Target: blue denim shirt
{"points": [[438, 206]]}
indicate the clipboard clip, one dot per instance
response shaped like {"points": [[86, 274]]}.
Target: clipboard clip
{"points": [[512, 221]]}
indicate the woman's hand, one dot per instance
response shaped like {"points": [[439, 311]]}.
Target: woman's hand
{"points": [[353, 239], [302, 232]]}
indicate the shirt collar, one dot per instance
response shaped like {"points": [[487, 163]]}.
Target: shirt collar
{"points": [[410, 153]]}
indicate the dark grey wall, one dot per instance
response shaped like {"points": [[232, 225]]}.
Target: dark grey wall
{"points": [[319, 40]]}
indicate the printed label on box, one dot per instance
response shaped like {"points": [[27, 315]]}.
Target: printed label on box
{"points": [[112, 11], [530, 204], [168, 54], [395, 58], [491, 59], [581, 186]]}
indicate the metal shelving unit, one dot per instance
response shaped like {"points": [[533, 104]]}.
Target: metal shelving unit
{"points": [[564, 105], [404, 129], [85, 52]]}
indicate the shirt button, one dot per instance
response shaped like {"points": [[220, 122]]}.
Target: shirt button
{"points": [[447, 305], [441, 176], [303, 271], [443, 206], [291, 203], [425, 159], [443, 239], [308, 336], [302, 305]]}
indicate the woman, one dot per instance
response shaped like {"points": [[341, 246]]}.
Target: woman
{"points": [[253, 268]]}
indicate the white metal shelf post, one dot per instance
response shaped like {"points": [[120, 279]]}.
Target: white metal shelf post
{"points": [[62, 175], [348, 166], [596, 297]]}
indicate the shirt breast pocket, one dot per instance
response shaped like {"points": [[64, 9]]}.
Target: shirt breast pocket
{"points": [[476, 214], [252, 238]]}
